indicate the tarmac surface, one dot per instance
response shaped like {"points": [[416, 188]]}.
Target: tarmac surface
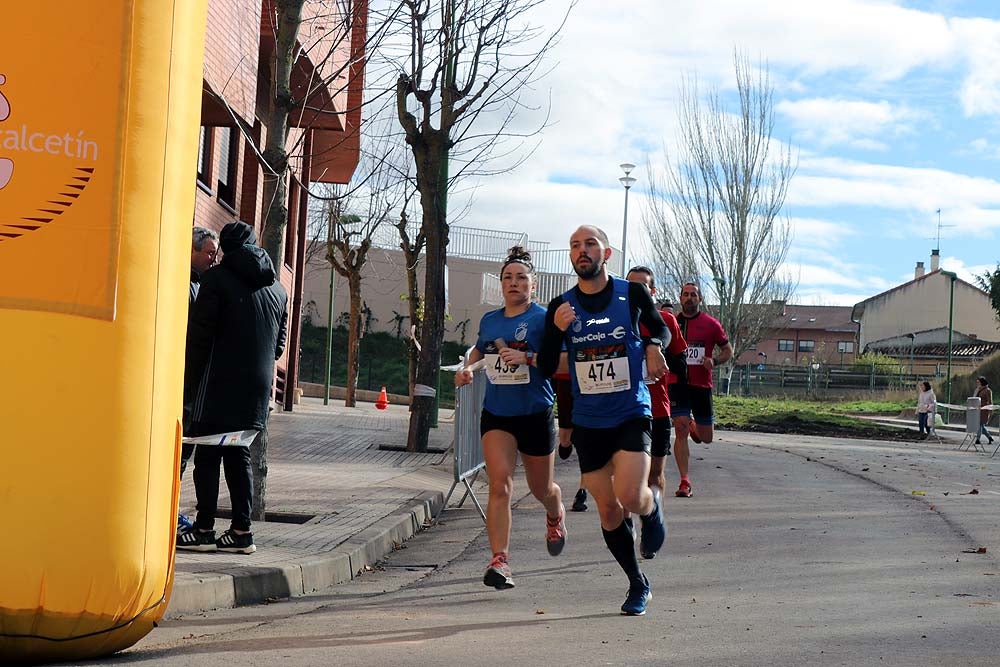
{"points": [[794, 550], [336, 505]]}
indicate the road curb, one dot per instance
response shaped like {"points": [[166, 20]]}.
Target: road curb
{"points": [[310, 574]]}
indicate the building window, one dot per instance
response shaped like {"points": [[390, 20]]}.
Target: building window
{"points": [[228, 150], [785, 345], [205, 157], [807, 345], [845, 346]]}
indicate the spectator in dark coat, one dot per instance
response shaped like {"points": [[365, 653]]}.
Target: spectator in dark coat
{"points": [[236, 332], [204, 250]]}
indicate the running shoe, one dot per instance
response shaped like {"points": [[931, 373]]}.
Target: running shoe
{"points": [[639, 595], [648, 555], [565, 451], [236, 543], [580, 501], [555, 533], [498, 573], [654, 531], [196, 540], [684, 490]]}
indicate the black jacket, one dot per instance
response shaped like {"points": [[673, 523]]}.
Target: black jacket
{"points": [[193, 290], [236, 330]]}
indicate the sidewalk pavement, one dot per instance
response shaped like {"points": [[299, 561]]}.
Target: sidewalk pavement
{"points": [[351, 504]]}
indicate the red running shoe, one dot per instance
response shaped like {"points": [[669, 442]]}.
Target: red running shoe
{"points": [[555, 533], [498, 573], [684, 490]]}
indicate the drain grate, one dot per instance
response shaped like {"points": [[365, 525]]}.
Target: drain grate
{"points": [[272, 517]]}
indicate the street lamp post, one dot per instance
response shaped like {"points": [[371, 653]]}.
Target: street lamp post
{"points": [[628, 182], [912, 338], [720, 284], [951, 322]]}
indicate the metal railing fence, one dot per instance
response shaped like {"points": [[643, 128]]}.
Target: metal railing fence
{"points": [[468, 449]]}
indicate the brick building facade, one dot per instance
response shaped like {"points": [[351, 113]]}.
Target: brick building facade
{"points": [[806, 334], [324, 140]]}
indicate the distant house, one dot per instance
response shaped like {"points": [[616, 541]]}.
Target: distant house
{"points": [[910, 321], [806, 334], [926, 352]]}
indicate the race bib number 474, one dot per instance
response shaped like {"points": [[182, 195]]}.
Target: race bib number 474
{"points": [[602, 371]]}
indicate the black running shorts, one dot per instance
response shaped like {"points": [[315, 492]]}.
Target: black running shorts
{"points": [[693, 401], [564, 402], [535, 433], [596, 446], [660, 437]]}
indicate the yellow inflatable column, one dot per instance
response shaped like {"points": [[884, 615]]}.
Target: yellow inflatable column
{"points": [[99, 116]]}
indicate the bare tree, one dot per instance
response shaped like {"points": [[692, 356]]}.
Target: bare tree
{"points": [[351, 238], [320, 33], [468, 61], [334, 27], [716, 211]]}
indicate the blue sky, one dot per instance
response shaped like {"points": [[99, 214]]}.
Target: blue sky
{"points": [[893, 108]]}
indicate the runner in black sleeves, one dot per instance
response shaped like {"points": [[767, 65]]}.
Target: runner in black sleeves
{"points": [[598, 320], [517, 414]]}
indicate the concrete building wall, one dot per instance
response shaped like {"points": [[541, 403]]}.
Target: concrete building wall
{"points": [[383, 285], [922, 305]]}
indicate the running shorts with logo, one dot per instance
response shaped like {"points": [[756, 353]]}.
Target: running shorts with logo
{"points": [[518, 398], [611, 410]]}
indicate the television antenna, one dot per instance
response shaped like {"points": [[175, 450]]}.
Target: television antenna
{"points": [[937, 241]]}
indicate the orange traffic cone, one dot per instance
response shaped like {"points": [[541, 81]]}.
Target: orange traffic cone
{"points": [[383, 401]]}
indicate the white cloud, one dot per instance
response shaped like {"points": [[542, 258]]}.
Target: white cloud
{"points": [[970, 202], [855, 123], [983, 148], [980, 40], [812, 234], [613, 96]]}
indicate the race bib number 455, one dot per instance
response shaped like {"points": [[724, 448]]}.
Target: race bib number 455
{"points": [[602, 370], [499, 372]]}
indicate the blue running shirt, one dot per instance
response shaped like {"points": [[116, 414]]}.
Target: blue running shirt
{"points": [[606, 363], [514, 390]]}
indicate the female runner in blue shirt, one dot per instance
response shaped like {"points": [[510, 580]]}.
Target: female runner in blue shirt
{"points": [[517, 414]]}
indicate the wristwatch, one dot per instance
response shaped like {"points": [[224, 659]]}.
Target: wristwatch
{"points": [[529, 356], [654, 341]]}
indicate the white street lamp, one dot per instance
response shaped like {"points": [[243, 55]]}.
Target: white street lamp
{"points": [[628, 182]]}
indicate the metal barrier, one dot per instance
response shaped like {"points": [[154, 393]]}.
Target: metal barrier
{"points": [[972, 406], [468, 443]]}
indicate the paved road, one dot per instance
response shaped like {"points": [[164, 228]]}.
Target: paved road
{"points": [[793, 551]]}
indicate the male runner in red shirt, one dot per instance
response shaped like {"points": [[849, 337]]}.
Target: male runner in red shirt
{"points": [[703, 334]]}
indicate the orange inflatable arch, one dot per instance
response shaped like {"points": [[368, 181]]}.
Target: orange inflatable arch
{"points": [[99, 117]]}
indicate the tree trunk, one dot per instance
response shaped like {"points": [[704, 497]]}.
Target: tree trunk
{"points": [[413, 301], [432, 330], [258, 463], [275, 190], [353, 339]]}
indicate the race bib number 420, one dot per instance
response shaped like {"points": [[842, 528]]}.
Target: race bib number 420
{"points": [[695, 355], [499, 372], [602, 372]]}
